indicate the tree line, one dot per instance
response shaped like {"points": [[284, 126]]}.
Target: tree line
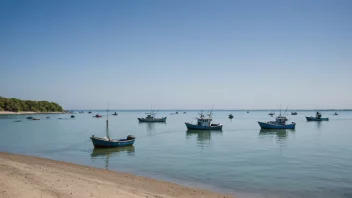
{"points": [[15, 105]]}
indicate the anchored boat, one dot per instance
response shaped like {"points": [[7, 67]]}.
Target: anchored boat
{"points": [[279, 123], [151, 118], [106, 142], [204, 123], [230, 116], [317, 117], [293, 113]]}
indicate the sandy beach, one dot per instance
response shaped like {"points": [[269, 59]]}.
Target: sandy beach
{"points": [[26, 112], [26, 176]]}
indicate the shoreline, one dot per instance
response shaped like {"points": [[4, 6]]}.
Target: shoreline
{"points": [[27, 112], [40, 177]]}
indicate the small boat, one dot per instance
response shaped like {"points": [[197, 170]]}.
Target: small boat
{"points": [[36, 119], [17, 121], [293, 113], [204, 123], [115, 114], [279, 123], [106, 142], [184, 112], [29, 118], [72, 116], [48, 117], [271, 114], [151, 118], [247, 111], [317, 117], [97, 116], [336, 113], [176, 112], [89, 112], [230, 116], [80, 112]]}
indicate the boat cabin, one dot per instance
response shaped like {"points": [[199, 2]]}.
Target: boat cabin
{"points": [[205, 122], [318, 115], [280, 119]]}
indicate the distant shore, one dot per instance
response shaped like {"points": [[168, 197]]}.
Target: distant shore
{"points": [[27, 112], [26, 176]]}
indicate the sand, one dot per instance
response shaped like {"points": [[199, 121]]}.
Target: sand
{"points": [[26, 112], [26, 176]]}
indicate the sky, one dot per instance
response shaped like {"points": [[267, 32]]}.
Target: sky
{"points": [[178, 54]]}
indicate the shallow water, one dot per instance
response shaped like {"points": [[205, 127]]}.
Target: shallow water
{"points": [[314, 160]]}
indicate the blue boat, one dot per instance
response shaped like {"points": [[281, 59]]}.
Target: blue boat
{"points": [[279, 123], [204, 123], [106, 142], [317, 118], [110, 143]]}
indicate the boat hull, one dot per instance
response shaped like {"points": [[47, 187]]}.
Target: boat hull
{"points": [[265, 125], [316, 119], [104, 143], [196, 127], [152, 120]]}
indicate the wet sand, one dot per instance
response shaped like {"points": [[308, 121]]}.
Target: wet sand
{"points": [[26, 176]]}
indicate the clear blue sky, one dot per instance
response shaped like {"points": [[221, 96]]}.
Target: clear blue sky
{"points": [[178, 54]]}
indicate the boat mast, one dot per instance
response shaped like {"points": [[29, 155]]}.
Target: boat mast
{"points": [[107, 122]]}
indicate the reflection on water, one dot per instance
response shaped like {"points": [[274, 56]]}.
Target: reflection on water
{"points": [[203, 137], [107, 153], [279, 135], [318, 125], [151, 126]]}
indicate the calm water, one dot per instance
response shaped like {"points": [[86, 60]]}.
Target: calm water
{"points": [[314, 160]]}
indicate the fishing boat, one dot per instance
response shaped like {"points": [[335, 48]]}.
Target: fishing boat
{"points": [[97, 116], [115, 114], [230, 116], [279, 123], [151, 118], [106, 142], [204, 123], [293, 113], [317, 117]]}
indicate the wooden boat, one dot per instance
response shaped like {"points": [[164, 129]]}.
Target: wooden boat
{"points": [[317, 118], [106, 142], [293, 113], [97, 116], [279, 123], [231, 116], [36, 119], [115, 114], [204, 123], [151, 118]]}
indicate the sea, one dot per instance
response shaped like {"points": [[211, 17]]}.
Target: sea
{"points": [[314, 160]]}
